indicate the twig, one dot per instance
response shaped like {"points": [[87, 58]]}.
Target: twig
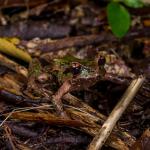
{"points": [[109, 124], [10, 138], [22, 110], [13, 96], [84, 40], [72, 42], [13, 65], [10, 49], [78, 103], [49, 118]]}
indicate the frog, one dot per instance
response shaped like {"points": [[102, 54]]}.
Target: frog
{"points": [[105, 66], [72, 74], [82, 77]]}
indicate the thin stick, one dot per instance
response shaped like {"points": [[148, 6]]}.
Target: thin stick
{"points": [[13, 65], [21, 110], [109, 124]]}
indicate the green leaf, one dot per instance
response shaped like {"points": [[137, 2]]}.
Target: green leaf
{"points": [[118, 19], [133, 3]]}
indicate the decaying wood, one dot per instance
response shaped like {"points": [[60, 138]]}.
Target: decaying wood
{"points": [[109, 124], [84, 40], [72, 100], [86, 122], [88, 114], [84, 115], [73, 42], [114, 141], [13, 65], [32, 29], [20, 3], [19, 100], [48, 118]]}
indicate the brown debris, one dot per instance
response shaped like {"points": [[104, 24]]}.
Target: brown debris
{"points": [[20, 3], [48, 118], [143, 142], [80, 41], [31, 29]]}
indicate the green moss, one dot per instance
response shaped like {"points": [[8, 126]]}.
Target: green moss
{"points": [[35, 68], [66, 60]]}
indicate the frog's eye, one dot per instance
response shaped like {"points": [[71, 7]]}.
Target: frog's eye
{"points": [[42, 78], [76, 68], [101, 61]]}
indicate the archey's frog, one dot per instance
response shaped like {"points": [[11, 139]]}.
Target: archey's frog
{"points": [[106, 66], [68, 72], [72, 74], [82, 77]]}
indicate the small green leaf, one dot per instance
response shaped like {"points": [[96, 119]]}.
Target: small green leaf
{"points": [[133, 3], [118, 19]]}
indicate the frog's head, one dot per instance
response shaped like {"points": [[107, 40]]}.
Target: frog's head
{"points": [[74, 68], [78, 69]]}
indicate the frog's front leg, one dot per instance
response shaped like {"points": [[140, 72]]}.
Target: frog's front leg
{"points": [[57, 98]]}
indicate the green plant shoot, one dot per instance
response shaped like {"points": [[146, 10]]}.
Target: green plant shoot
{"points": [[118, 19]]}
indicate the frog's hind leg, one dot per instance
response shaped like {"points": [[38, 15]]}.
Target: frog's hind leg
{"points": [[57, 98]]}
